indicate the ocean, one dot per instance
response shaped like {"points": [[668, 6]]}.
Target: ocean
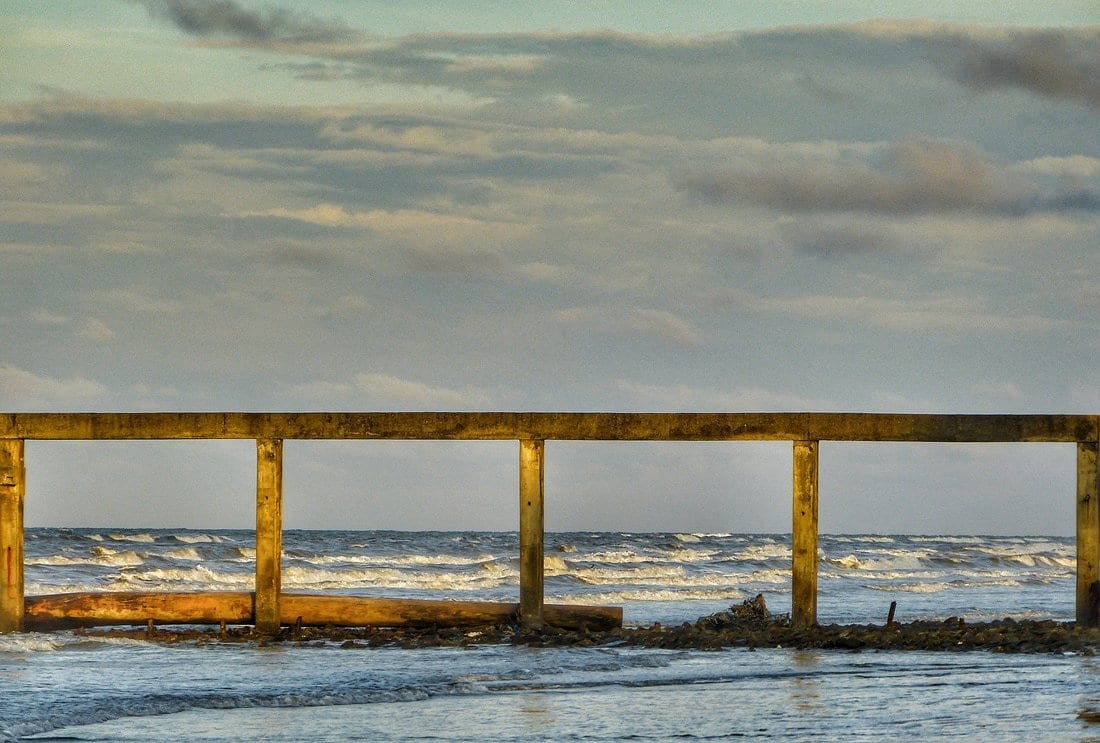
{"points": [[65, 686]]}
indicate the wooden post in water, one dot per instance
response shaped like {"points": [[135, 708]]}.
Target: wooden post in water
{"points": [[13, 488], [804, 535], [1088, 535], [269, 532], [531, 534]]}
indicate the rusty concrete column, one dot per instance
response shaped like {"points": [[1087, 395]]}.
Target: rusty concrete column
{"points": [[804, 535], [531, 531], [13, 488], [269, 533], [1088, 535]]}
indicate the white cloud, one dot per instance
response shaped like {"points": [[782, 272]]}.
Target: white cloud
{"points": [[322, 390], [666, 325], [1007, 391], [1078, 166], [23, 390], [45, 317], [662, 324], [415, 226], [407, 393], [92, 329], [138, 300], [961, 314], [678, 398]]}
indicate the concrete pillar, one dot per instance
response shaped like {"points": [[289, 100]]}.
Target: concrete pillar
{"points": [[531, 532], [804, 535], [269, 533], [13, 488], [1088, 535]]}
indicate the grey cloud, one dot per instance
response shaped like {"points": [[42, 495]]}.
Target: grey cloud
{"points": [[477, 264], [1081, 199], [1051, 64], [839, 240], [226, 17], [913, 176]]}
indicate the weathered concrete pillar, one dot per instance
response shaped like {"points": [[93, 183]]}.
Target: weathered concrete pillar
{"points": [[269, 532], [1088, 535], [13, 488], [531, 532], [804, 535]]}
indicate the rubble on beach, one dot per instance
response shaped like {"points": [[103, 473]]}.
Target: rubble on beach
{"points": [[746, 625]]}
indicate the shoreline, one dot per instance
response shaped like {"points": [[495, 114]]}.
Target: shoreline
{"points": [[748, 625]]}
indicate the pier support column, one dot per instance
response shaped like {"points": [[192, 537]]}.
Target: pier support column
{"points": [[804, 535], [269, 533], [531, 531], [13, 488], [1088, 535]]}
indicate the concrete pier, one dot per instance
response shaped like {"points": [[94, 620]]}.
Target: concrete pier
{"points": [[269, 607]]}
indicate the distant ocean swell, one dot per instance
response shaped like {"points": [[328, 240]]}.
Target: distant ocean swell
{"points": [[645, 572]]}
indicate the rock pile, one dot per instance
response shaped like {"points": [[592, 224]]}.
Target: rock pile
{"points": [[746, 625]]}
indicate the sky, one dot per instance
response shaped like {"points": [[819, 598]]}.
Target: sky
{"points": [[604, 206]]}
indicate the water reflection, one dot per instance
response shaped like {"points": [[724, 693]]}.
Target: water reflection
{"points": [[536, 713], [806, 686]]}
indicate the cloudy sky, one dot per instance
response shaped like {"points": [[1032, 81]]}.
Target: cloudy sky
{"points": [[740, 206]]}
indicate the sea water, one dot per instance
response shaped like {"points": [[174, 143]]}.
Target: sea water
{"points": [[67, 686]]}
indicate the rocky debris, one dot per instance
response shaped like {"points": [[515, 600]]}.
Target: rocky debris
{"points": [[747, 625], [748, 615]]}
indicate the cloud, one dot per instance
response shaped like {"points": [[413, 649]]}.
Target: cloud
{"points": [[912, 176], [661, 324], [92, 329], [407, 392], [23, 390], [1006, 391], [477, 263], [840, 240], [45, 317], [942, 313], [387, 391], [681, 398], [138, 300], [1073, 166], [229, 18], [1051, 64], [417, 226], [323, 390]]}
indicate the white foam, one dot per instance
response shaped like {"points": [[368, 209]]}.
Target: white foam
{"points": [[642, 594], [143, 538], [31, 642], [169, 579], [197, 538], [610, 576], [302, 577], [183, 553], [628, 557], [98, 556], [766, 551], [418, 560], [910, 587]]}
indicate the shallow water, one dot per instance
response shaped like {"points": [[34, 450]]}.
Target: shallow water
{"points": [[62, 685]]}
